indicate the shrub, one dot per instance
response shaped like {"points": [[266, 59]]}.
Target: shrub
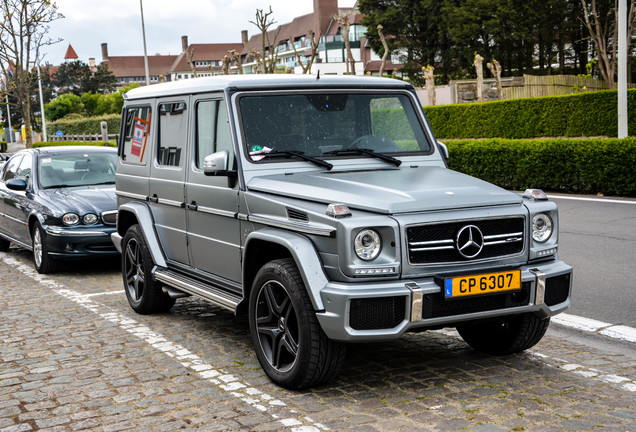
{"points": [[85, 125], [584, 114], [594, 165]]}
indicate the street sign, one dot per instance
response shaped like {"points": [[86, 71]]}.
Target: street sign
{"points": [[59, 133]]}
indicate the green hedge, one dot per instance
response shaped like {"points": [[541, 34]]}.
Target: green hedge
{"points": [[588, 166], [585, 114], [87, 125], [72, 143]]}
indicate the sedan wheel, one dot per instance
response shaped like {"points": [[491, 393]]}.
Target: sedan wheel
{"points": [[43, 262], [143, 292]]}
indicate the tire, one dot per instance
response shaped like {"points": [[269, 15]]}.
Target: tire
{"points": [[291, 347], [505, 335], [144, 294], [41, 259], [4, 245]]}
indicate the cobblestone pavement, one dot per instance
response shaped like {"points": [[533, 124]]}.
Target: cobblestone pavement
{"points": [[74, 356]]}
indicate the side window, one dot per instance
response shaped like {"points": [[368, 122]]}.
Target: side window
{"points": [[134, 139], [24, 169], [213, 130], [11, 169], [173, 127]]}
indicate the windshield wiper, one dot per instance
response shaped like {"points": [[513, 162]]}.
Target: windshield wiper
{"points": [[368, 152], [300, 155]]}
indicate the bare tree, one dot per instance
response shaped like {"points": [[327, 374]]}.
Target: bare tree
{"points": [[604, 34], [313, 44], [268, 57], [23, 32], [385, 46], [429, 76], [227, 60], [190, 58], [478, 62], [236, 57], [495, 69], [345, 25]]}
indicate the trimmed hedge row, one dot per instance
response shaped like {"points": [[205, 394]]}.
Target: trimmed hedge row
{"points": [[87, 125], [72, 143], [585, 114], [587, 166]]}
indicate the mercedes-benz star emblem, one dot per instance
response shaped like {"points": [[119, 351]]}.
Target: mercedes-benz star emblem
{"points": [[470, 241]]}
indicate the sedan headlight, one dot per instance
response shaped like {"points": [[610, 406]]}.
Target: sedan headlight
{"points": [[541, 227], [367, 244], [70, 219], [89, 219]]}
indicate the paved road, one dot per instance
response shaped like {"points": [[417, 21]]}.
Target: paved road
{"points": [[598, 238], [74, 356]]}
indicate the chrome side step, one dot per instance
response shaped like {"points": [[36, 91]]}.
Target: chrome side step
{"points": [[195, 287]]}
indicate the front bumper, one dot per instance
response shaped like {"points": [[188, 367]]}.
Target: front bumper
{"points": [[381, 311], [68, 243]]}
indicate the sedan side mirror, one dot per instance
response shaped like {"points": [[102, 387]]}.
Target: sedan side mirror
{"points": [[17, 184]]}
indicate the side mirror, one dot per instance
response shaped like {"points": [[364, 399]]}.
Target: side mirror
{"points": [[443, 150], [17, 184], [217, 163]]}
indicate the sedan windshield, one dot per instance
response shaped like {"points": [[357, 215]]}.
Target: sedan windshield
{"points": [[329, 125], [76, 169]]}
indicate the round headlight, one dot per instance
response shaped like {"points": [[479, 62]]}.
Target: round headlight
{"points": [[70, 219], [541, 227], [89, 219], [367, 244]]}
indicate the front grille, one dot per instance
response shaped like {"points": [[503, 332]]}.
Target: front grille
{"points": [[557, 289], [436, 306], [109, 217], [437, 243], [377, 313]]}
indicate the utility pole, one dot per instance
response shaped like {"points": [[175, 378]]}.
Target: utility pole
{"points": [[143, 32], [41, 106], [622, 68]]}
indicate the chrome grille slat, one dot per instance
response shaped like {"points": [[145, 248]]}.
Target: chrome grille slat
{"points": [[435, 243]]}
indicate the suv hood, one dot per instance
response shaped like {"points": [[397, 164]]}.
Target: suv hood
{"points": [[401, 190]]}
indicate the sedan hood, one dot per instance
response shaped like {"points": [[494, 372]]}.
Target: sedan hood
{"points": [[87, 199], [390, 191]]}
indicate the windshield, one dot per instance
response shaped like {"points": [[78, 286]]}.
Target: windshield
{"points": [[76, 169], [326, 124]]}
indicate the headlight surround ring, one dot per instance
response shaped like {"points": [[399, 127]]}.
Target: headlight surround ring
{"points": [[367, 244], [542, 227]]}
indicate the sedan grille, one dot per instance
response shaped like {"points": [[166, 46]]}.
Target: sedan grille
{"points": [[109, 217], [452, 242]]}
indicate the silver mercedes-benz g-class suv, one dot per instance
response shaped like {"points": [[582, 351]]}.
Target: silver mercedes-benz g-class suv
{"points": [[323, 207]]}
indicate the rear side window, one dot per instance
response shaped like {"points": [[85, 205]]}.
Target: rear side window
{"points": [[173, 123], [135, 137]]}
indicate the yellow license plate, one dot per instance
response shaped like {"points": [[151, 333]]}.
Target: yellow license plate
{"points": [[486, 283]]}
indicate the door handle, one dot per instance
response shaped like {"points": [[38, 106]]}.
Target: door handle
{"points": [[192, 206], [153, 199]]}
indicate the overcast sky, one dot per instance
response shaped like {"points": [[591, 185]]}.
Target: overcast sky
{"points": [[89, 23]]}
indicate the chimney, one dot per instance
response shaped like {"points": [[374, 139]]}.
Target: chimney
{"points": [[105, 52], [184, 43], [324, 11], [244, 37]]}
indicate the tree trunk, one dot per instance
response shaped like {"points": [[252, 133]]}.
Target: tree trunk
{"points": [[429, 76], [495, 69], [478, 62], [386, 49]]}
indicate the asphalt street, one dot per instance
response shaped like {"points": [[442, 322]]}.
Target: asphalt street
{"points": [[597, 237]]}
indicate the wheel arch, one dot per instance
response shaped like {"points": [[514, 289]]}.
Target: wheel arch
{"points": [[269, 244], [133, 213]]}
